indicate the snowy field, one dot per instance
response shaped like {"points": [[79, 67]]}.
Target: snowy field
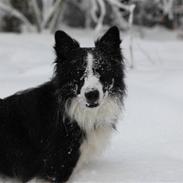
{"points": [[148, 146]]}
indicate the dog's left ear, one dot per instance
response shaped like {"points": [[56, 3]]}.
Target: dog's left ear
{"points": [[110, 40], [64, 44]]}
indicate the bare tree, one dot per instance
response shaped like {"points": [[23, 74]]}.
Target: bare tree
{"points": [[46, 16], [167, 7], [97, 11], [99, 6]]}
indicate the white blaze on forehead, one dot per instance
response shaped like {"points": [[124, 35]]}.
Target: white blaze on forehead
{"points": [[89, 64], [91, 81]]}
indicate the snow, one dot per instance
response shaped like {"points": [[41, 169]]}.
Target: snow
{"points": [[148, 145]]}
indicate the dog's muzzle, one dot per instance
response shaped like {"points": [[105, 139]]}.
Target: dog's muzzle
{"points": [[92, 98]]}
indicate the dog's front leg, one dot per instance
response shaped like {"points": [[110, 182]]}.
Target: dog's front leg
{"points": [[62, 157], [63, 169]]}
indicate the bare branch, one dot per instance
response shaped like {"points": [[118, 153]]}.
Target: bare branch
{"points": [[46, 7], [121, 5], [51, 12], [167, 7], [37, 13], [17, 14], [94, 9], [102, 15]]}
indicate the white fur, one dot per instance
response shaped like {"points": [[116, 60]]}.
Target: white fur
{"points": [[105, 114], [90, 64], [95, 144], [97, 123]]}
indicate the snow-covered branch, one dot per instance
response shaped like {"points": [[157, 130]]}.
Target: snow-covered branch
{"points": [[121, 5], [167, 7], [37, 13], [45, 17], [17, 14], [102, 14], [51, 11], [131, 10], [54, 19], [94, 9], [116, 6]]}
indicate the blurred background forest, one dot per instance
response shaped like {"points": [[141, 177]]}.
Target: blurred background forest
{"points": [[49, 15]]}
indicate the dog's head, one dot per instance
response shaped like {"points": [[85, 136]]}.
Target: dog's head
{"points": [[91, 79]]}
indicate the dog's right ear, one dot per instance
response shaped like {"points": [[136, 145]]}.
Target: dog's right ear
{"points": [[110, 41], [64, 44]]}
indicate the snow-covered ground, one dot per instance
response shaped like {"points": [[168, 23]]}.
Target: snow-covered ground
{"points": [[148, 146]]}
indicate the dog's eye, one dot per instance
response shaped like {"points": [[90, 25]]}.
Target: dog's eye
{"points": [[103, 70], [108, 68], [77, 64], [105, 75], [79, 71]]}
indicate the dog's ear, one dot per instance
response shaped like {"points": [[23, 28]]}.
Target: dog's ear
{"points": [[110, 40], [64, 44]]}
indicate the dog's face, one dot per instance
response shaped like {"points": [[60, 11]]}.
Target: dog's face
{"points": [[90, 77]]}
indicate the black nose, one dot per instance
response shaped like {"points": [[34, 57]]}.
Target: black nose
{"points": [[92, 96]]}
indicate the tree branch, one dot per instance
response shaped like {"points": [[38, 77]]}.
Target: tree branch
{"points": [[17, 14], [102, 14], [38, 14], [51, 11]]}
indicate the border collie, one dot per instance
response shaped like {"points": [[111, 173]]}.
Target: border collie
{"points": [[48, 131]]}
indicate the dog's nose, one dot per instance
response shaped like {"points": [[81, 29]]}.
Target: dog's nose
{"points": [[92, 96]]}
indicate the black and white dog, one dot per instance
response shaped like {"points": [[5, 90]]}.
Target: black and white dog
{"points": [[48, 131]]}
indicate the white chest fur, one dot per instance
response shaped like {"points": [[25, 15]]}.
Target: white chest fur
{"points": [[94, 144], [98, 125]]}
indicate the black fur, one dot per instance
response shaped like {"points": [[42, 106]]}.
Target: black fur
{"points": [[34, 140], [37, 137]]}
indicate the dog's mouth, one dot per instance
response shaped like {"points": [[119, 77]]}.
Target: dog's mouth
{"points": [[92, 105]]}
